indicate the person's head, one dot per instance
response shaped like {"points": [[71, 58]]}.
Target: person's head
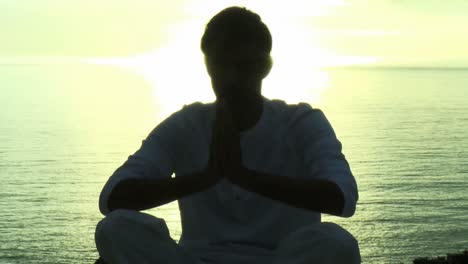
{"points": [[237, 46]]}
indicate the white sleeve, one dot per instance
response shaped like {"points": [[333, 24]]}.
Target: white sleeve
{"points": [[323, 154], [154, 159]]}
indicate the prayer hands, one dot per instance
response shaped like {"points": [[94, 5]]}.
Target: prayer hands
{"points": [[225, 149]]}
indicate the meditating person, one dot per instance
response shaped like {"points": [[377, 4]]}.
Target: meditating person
{"points": [[252, 175]]}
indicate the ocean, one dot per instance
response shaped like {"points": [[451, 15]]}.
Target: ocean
{"points": [[65, 128]]}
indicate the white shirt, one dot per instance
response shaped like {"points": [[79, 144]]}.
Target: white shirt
{"points": [[289, 140]]}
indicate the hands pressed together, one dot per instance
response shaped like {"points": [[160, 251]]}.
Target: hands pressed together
{"points": [[225, 155]]}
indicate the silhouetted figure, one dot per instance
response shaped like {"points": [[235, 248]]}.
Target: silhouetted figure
{"points": [[252, 175]]}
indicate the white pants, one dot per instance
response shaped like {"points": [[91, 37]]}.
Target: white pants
{"points": [[129, 237]]}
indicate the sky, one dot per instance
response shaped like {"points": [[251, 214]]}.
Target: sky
{"points": [[334, 32]]}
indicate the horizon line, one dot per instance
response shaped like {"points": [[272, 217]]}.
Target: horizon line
{"points": [[397, 67], [85, 61], [351, 66]]}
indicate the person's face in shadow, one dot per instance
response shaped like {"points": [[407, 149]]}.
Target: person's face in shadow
{"points": [[236, 72]]}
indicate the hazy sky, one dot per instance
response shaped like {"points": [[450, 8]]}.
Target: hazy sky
{"points": [[391, 32]]}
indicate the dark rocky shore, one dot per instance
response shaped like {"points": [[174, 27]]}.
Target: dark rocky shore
{"points": [[458, 258]]}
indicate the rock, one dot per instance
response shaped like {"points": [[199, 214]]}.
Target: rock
{"points": [[458, 258]]}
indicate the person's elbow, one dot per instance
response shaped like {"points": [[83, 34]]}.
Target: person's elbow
{"points": [[106, 197], [109, 198], [103, 208], [349, 205]]}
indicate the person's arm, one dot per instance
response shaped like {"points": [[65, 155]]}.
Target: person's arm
{"points": [[329, 186], [154, 161], [145, 193], [311, 194], [140, 194]]}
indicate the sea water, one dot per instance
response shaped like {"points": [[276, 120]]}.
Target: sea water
{"points": [[65, 128]]}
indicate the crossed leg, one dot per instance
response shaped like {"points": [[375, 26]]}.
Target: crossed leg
{"points": [[126, 236], [324, 243]]}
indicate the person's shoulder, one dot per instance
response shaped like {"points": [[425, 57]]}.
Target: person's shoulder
{"points": [[196, 105], [197, 108], [196, 113], [187, 113], [294, 111], [193, 108], [292, 107]]}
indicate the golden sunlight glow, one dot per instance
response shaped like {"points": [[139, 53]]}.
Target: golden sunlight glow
{"points": [[177, 71]]}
